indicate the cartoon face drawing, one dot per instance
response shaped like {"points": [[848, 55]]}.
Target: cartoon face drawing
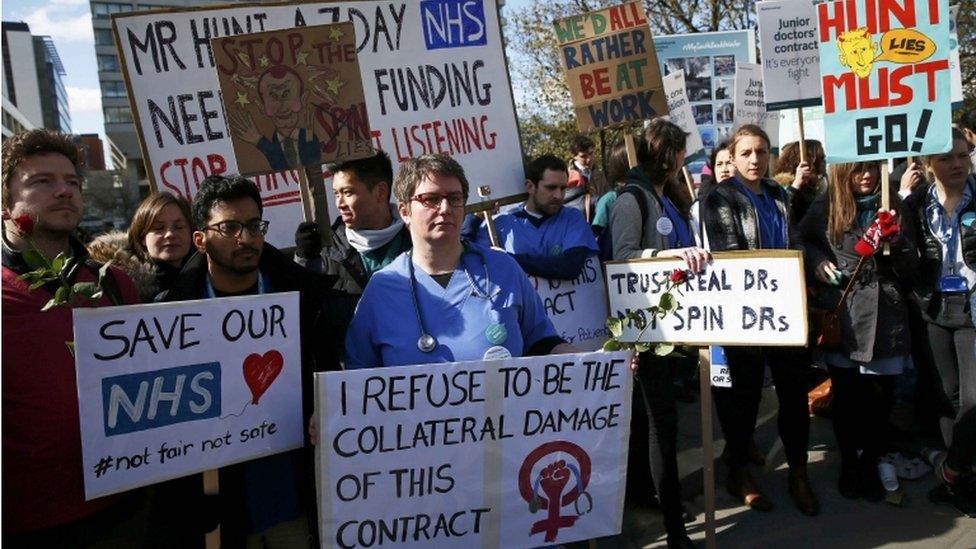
{"points": [[280, 90], [857, 51]]}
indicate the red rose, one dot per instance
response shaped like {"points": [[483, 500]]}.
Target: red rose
{"points": [[678, 276], [24, 224]]}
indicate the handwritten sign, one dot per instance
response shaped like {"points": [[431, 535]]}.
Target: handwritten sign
{"points": [[611, 70], [742, 298], [171, 389], [790, 54], [433, 73], [577, 308], [512, 453], [294, 97], [679, 109], [885, 78]]}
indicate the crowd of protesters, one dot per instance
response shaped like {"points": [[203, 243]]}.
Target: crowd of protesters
{"points": [[392, 283]]}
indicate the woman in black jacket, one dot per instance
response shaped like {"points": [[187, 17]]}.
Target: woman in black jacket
{"points": [[944, 228], [844, 227]]}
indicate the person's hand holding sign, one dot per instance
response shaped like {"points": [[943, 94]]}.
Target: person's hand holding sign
{"points": [[803, 177], [913, 177], [243, 126]]}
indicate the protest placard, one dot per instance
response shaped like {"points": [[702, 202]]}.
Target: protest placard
{"points": [[680, 111], [885, 78], [611, 70], [708, 60], [520, 452], [294, 98], [577, 308], [433, 72], [742, 298], [750, 102], [790, 55], [955, 68], [171, 389]]}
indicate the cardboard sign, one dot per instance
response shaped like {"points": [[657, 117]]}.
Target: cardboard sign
{"points": [[611, 70], [742, 298], [433, 72], [294, 98], [172, 389], [750, 102], [790, 55], [520, 452], [885, 78], [680, 111], [708, 60], [577, 308]]}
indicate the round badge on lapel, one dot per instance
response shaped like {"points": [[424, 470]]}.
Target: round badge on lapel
{"points": [[664, 226], [968, 219], [496, 333]]}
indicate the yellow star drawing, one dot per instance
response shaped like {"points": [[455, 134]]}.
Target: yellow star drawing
{"points": [[301, 58], [242, 99], [263, 60], [334, 85], [335, 34]]}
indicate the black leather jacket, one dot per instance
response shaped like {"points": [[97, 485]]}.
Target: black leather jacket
{"points": [[730, 218], [950, 311]]}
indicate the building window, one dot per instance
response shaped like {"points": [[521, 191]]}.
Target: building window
{"points": [[108, 62], [113, 89], [104, 10], [104, 37], [118, 115]]}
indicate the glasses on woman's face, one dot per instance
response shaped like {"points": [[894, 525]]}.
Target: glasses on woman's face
{"points": [[434, 200], [234, 229]]}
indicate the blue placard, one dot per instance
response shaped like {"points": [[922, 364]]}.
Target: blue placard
{"points": [[146, 400], [453, 23]]}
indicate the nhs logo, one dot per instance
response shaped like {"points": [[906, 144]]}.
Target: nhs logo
{"points": [[453, 23]]}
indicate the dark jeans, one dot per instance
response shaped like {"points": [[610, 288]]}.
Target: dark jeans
{"points": [[861, 406], [955, 362], [656, 379], [738, 407]]}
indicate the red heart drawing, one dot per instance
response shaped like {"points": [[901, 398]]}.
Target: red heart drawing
{"points": [[261, 371]]}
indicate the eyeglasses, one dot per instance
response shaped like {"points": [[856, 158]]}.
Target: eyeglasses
{"points": [[234, 229], [434, 200]]}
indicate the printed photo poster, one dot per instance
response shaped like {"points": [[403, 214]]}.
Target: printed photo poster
{"points": [[680, 112], [750, 102], [293, 98], [708, 60], [522, 452], [790, 54], [171, 389], [433, 73], [612, 73], [885, 78], [578, 307]]}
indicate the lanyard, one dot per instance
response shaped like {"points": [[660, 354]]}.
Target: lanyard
{"points": [[948, 231], [262, 286]]}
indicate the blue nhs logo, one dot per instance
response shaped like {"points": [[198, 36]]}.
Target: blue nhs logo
{"points": [[453, 23]]}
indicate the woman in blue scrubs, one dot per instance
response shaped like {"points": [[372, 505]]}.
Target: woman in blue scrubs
{"points": [[446, 300]]}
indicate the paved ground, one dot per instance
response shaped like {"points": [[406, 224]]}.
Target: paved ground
{"points": [[842, 523]]}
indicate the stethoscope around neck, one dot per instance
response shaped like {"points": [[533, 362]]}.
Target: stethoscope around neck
{"points": [[427, 342]]}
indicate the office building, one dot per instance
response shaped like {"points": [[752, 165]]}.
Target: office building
{"points": [[34, 94]]}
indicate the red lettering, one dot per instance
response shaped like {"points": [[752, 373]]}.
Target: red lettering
{"points": [[829, 22], [929, 68], [295, 41], [902, 93], [275, 51], [844, 81], [865, 101], [227, 46]]}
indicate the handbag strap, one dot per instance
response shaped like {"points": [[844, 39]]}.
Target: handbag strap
{"points": [[850, 284]]}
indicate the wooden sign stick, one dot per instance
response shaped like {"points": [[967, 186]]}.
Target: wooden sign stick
{"points": [[689, 181], [708, 444], [211, 487], [803, 141], [484, 192], [306, 192], [885, 198], [631, 149]]}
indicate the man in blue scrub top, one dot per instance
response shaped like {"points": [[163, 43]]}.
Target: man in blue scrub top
{"points": [[445, 301], [546, 238]]}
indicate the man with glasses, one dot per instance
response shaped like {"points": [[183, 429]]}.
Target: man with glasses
{"points": [[269, 501], [546, 238]]}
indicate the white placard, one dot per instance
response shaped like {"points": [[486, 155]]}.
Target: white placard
{"points": [[742, 298], [577, 308], [171, 389], [790, 53], [719, 367], [680, 110], [471, 454], [750, 105], [955, 69], [434, 75]]}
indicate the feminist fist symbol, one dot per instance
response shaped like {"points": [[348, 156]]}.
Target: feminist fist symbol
{"points": [[553, 479]]}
